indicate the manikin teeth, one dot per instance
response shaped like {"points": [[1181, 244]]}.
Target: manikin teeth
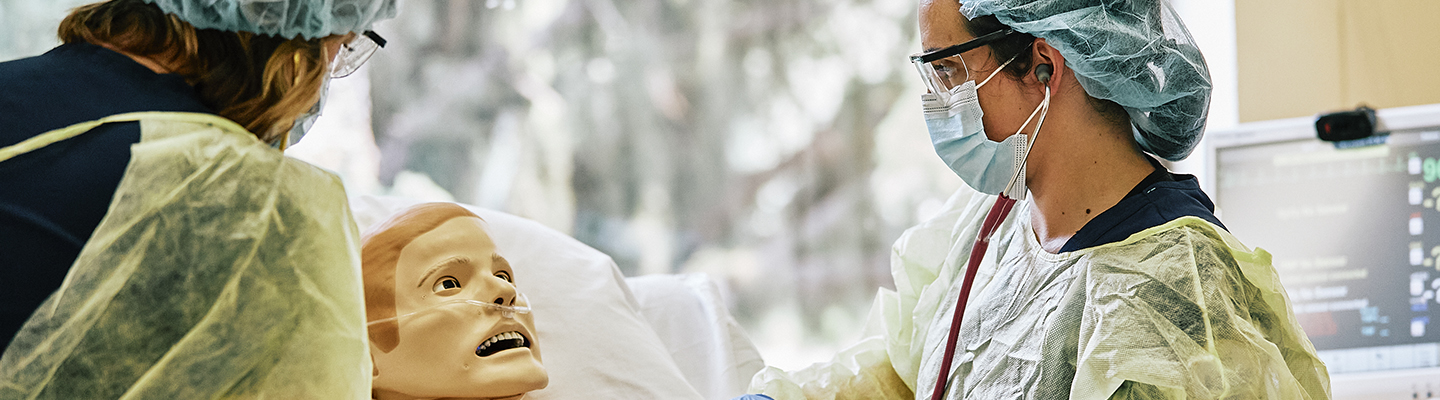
{"points": [[501, 342], [502, 336]]}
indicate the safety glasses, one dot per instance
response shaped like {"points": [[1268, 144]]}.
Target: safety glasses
{"points": [[521, 305], [944, 69], [354, 53]]}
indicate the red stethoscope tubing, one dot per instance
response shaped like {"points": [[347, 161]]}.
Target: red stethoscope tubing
{"points": [[997, 213]]}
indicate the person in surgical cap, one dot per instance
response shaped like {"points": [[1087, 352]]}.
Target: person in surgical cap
{"points": [[158, 244], [1112, 278]]}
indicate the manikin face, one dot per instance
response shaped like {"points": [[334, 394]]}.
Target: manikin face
{"points": [[439, 354]]}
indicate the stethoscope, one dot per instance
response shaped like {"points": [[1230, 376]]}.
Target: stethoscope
{"points": [[997, 214]]}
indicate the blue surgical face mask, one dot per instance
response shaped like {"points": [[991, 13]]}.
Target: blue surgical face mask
{"points": [[958, 135], [306, 120]]}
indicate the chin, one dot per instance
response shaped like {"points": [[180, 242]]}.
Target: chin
{"points": [[532, 385], [525, 387], [512, 378], [508, 380]]}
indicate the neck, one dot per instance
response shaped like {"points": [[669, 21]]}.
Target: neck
{"points": [[148, 62], [1080, 168]]}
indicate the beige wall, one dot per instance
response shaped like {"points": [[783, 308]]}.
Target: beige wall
{"points": [[1303, 57]]}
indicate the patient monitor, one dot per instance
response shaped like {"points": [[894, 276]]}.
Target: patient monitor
{"points": [[1352, 229], [445, 317]]}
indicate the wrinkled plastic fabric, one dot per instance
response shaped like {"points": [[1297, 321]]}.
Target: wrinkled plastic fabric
{"points": [[1135, 53], [222, 270], [859, 373], [1179, 311], [284, 18]]}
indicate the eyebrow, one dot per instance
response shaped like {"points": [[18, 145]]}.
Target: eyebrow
{"points": [[461, 260], [496, 260]]}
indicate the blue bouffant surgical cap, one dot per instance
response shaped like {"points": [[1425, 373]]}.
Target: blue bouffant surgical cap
{"points": [[1134, 52], [284, 18]]}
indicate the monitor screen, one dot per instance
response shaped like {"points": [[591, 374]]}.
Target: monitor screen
{"points": [[1355, 238]]}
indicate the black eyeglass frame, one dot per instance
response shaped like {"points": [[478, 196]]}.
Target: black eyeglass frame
{"points": [[376, 38], [955, 50]]}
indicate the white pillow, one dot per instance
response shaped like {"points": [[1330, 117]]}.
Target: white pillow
{"points": [[688, 314], [592, 338]]}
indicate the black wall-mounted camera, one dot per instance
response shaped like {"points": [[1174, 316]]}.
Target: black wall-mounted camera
{"points": [[1346, 126]]}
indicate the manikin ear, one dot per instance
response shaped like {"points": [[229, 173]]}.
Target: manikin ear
{"points": [[1044, 54]]}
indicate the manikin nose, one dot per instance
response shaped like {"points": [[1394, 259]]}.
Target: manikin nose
{"points": [[505, 296]]}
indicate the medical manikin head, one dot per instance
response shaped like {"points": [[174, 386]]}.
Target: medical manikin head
{"points": [[445, 317]]}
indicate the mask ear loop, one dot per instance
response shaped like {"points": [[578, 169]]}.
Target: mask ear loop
{"points": [[1042, 110], [997, 71], [1002, 66]]}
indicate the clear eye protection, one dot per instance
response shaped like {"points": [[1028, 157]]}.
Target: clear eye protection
{"points": [[520, 305], [941, 76], [944, 70], [354, 53]]}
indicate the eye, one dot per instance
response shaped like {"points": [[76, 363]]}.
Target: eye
{"points": [[948, 68], [446, 283], [505, 275]]}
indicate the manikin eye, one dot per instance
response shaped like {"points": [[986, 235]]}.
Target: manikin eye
{"points": [[446, 283], [505, 275]]}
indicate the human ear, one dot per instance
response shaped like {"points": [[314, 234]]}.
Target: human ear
{"points": [[1047, 55]]}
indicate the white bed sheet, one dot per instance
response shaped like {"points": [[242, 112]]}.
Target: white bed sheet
{"points": [[691, 317]]}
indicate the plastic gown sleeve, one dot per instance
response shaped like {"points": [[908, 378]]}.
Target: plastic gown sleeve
{"points": [[222, 270], [884, 364], [861, 371]]}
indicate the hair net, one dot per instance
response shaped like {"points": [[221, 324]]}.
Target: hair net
{"points": [[1136, 53], [285, 18]]}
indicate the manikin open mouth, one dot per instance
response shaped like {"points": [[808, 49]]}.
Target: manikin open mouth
{"points": [[502, 342]]}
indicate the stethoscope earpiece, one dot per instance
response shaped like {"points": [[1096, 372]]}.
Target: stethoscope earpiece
{"points": [[1043, 71]]}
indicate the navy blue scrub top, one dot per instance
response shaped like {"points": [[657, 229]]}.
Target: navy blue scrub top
{"points": [[52, 199], [1161, 197]]}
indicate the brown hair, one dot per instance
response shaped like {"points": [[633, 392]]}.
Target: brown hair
{"points": [[380, 253], [261, 82]]}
